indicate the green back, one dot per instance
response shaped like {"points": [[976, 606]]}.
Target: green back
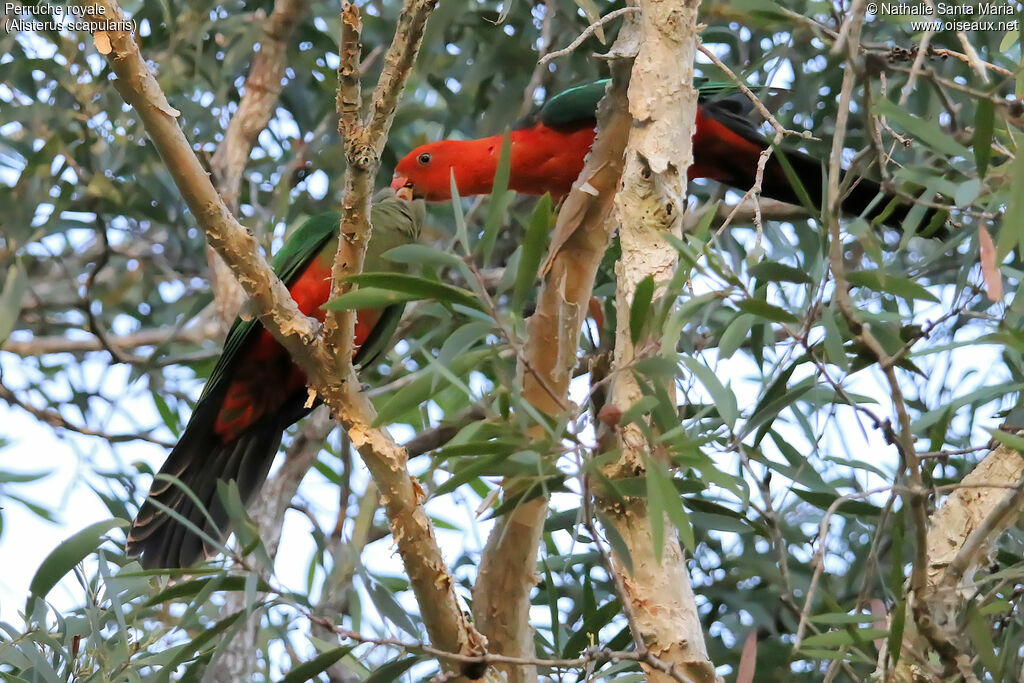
{"points": [[578, 105]]}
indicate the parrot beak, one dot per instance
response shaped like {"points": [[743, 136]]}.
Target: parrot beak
{"points": [[402, 187]]}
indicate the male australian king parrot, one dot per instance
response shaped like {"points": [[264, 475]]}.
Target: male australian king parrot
{"points": [[255, 392], [549, 147]]}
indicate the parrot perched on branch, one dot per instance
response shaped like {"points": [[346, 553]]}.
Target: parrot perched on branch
{"points": [[255, 391], [548, 150]]}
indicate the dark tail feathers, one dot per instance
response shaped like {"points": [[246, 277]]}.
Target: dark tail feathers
{"points": [[861, 194], [199, 461]]}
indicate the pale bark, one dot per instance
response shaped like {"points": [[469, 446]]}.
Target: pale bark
{"points": [[962, 534], [507, 573], [650, 204], [963, 531]]}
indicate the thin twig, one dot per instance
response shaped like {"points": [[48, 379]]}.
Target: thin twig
{"points": [[587, 32]]}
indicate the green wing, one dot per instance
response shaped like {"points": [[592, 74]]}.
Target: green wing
{"points": [[575, 106], [288, 262], [572, 107], [381, 337]]}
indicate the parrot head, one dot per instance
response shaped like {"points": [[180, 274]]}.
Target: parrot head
{"points": [[426, 171]]}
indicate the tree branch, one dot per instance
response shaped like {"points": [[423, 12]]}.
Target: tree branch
{"points": [[447, 625], [256, 107], [962, 533], [41, 346], [650, 203], [55, 419], [581, 236]]}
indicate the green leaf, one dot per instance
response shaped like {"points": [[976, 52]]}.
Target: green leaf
{"points": [[461, 233], [551, 592], [979, 397], [368, 298], [308, 671], [770, 408], [672, 502], [593, 621], [422, 254], [392, 671], [735, 334], [1011, 233], [425, 386], [193, 647], [22, 477], [68, 554], [618, 544], [843, 637], [794, 179], [478, 468], [834, 351], [824, 501], [385, 603], [1014, 441], [640, 307], [980, 633], [899, 619], [656, 514], [192, 587], [410, 287], [897, 285], [538, 228], [772, 271], [967, 192], [927, 131], [723, 397], [844, 618], [984, 126], [500, 200], [15, 285], [763, 309], [168, 416]]}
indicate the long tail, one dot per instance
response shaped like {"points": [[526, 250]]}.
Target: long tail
{"points": [[199, 461], [861, 195]]}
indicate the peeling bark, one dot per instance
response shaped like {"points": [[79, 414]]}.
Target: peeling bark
{"points": [[650, 204], [501, 606], [962, 534]]}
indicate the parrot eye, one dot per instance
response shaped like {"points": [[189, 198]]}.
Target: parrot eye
{"points": [[423, 159]]}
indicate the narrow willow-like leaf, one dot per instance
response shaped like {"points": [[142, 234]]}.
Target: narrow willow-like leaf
{"points": [[538, 229], [308, 671], [641, 306], [500, 200], [69, 553]]}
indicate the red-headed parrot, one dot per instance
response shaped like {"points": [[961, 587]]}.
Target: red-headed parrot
{"points": [[548, 150], [255, 392]]}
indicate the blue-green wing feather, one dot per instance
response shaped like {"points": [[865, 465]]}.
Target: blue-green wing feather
{"points": [[577, 106]]}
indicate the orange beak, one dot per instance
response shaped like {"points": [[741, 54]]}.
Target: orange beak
{"points": [[402, 187]]}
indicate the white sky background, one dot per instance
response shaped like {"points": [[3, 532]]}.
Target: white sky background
{"points": [[26, 539]]}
